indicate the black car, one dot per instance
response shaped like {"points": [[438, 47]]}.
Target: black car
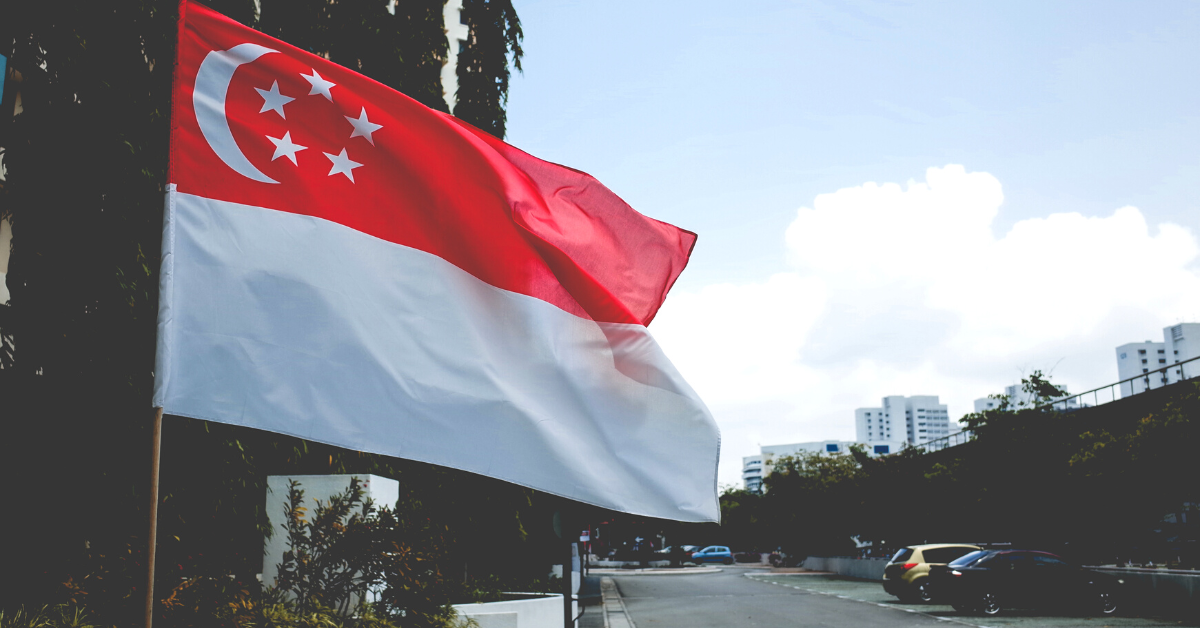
{"points": [[989, 581]]}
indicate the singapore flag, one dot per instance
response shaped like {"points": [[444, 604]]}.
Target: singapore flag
{"points": [[343, 264]]}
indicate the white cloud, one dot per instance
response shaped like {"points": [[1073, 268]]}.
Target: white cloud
{"points": [[741, 342], [907, 290]]}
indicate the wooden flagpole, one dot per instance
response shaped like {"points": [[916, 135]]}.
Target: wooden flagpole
{"points": [[152, 539]]}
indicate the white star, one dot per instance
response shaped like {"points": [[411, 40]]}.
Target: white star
{"points": [[342, 165], [285, 148], [319, 85], [363, 127], [273, 100]]}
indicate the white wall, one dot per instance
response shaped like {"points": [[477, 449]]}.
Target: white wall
{"points": [[382, 491], [539, 612]]}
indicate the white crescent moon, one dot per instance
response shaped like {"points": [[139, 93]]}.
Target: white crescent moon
{"points": [[208, 99]]}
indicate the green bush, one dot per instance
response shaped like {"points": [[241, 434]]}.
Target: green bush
{"points": [[57, 616]]}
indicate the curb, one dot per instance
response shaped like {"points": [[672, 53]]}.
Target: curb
{"points": [[615, 613], [653, 571]]}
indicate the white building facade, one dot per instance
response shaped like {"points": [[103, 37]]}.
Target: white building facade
{"points": [[753, 472], [1140, 359], [756, 468], [456, 35], [902, 420]]}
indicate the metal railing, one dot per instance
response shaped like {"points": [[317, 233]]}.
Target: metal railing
{"points": [[1075, 402], [1158, 378], [946, 442]]}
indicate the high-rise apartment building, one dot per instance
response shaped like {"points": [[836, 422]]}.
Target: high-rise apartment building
{"points": [[913, 420], [1138, 359]]}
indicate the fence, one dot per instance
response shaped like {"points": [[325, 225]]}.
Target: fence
{"points": [[1098, 396], [1158, 378]]}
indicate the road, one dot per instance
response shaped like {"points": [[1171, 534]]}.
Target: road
{"points": [[732, 599]]}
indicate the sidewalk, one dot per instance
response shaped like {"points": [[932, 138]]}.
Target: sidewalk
{"points": [[615, 615], [654, 571]]}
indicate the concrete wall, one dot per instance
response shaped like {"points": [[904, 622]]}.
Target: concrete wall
{"points": [[861, 568], [536, 611]]}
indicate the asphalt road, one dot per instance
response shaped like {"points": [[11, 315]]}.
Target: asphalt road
{"points": [[731, 599]]}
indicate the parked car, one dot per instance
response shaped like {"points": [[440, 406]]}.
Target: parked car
{"points": [[906, 576], [713, 554], [990, 581]]}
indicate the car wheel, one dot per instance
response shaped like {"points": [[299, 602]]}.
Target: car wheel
{"points": [[1108, 604], [989, 604], [728, 561], [923, 591]]}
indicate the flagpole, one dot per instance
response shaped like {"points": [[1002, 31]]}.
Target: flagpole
{"points": [[152, 540]]}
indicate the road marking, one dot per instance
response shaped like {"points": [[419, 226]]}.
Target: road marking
{"points": [[952, 620]]}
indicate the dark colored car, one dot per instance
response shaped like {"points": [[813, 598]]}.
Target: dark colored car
{"points": [[989, 581]]}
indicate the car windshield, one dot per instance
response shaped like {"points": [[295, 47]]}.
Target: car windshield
{"points": [[963, 561], [902, 555]]}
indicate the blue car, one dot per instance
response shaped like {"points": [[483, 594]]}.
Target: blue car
{"points": [[713, 554]]}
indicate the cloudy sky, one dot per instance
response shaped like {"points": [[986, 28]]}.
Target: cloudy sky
{"points": [[893, 198]]}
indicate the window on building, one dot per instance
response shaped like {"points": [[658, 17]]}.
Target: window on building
{"points": [[461, 19], [462, 45], [1162, 350], [1143, 370], [1143, 361], [1161, 361], [1141, 352], [831, 448]]}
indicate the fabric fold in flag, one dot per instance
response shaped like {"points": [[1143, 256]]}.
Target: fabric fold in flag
{"points": [[343, 264]]}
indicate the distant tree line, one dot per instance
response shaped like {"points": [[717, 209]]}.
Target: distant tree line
{"points": [[84, 171], [1105, 483]]}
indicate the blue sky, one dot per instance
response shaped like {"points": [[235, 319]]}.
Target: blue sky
{"points": [[729, 118]]}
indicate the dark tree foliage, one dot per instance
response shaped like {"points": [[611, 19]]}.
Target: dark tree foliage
{"points": [[483, 64], [403, 48], [85, 165], [1093, 484]]}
